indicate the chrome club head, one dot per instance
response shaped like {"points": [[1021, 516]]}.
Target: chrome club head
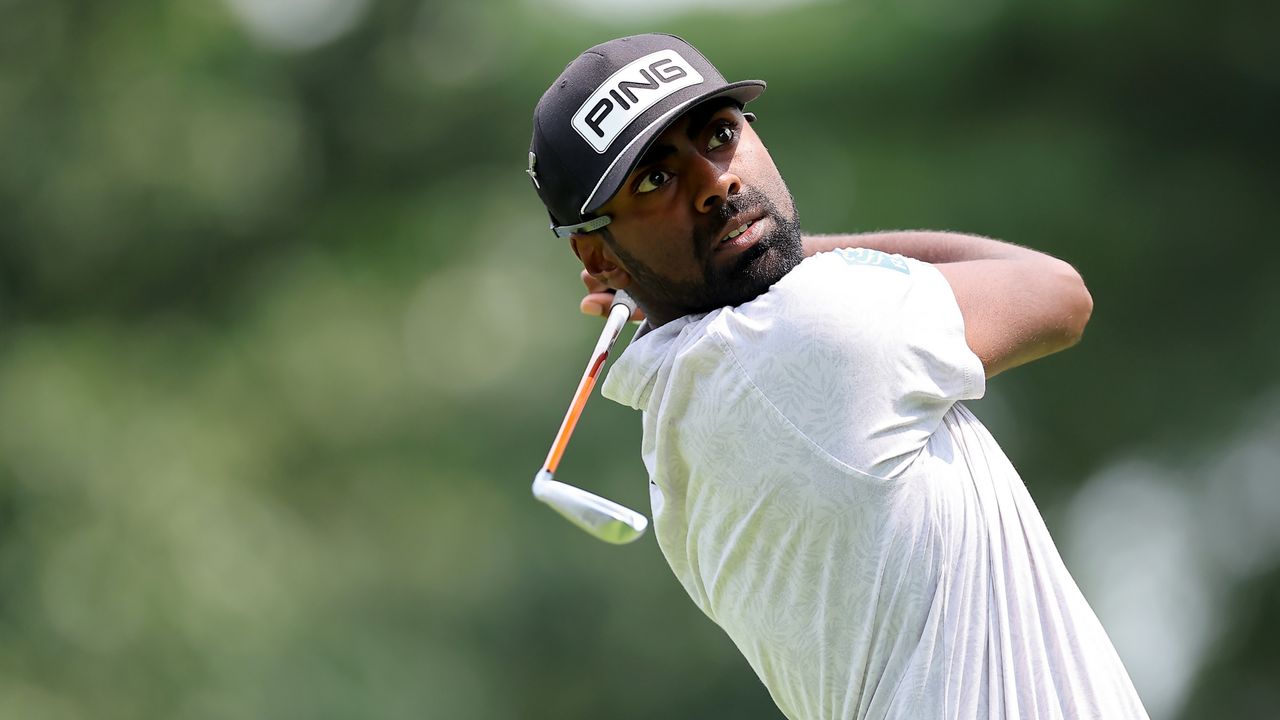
{"points": [[605, 519]]}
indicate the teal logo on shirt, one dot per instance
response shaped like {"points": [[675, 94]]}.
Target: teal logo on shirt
{"points": [[863, 256]]}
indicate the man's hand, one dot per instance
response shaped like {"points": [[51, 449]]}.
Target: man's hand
{"points": [[599, 298]]}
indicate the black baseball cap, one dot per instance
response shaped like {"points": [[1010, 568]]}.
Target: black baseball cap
{"points": [[600, 116]]}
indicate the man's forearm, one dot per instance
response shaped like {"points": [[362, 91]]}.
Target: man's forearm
{"points": [[924, 245]]}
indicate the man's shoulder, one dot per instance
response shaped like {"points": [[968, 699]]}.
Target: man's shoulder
{"points": [[826, 295], [832, 302], [850, 270], [858, 256]]}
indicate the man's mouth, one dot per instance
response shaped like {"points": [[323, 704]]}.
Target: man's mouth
{"points": [[744, 235], [739, 231]]}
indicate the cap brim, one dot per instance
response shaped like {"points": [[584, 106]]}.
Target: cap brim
{"points": [[622, 165]]}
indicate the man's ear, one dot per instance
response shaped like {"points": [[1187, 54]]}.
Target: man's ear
{"points": [[599, 260]]}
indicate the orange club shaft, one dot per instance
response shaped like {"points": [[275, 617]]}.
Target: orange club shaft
{"points": [[585, 386]]}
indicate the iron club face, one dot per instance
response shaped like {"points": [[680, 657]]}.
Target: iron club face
{"points": [[605, 519]]}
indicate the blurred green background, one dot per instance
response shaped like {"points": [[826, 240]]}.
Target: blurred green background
{"points": [[283, 339]]}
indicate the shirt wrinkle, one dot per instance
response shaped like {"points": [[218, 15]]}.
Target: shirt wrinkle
{"points": [[934, 593]]}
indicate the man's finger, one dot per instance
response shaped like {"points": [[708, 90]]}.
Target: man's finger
{"points": [[596, 303], [599, 298], [594, 285]]}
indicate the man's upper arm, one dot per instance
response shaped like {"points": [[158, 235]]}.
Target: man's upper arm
{"points": [[1019, 309], [1017, 304]]}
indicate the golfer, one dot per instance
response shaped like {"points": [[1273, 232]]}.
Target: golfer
{"points": [[817, 486]]}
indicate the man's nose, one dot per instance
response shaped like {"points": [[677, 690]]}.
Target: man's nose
{"points": [[717, 184]]}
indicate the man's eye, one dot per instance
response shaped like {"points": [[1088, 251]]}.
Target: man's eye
{"points": [[653, 180], [722, 136]]}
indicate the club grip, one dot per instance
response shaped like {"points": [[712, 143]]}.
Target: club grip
{"points": [[622, 298]]}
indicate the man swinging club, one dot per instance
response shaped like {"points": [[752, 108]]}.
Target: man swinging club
{"points": [[817, 486]]}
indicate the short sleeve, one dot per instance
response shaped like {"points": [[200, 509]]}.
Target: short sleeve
{"points": [[863, 351]]}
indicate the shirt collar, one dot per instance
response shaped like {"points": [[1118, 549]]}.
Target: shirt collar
{"points": [[631, 378]]}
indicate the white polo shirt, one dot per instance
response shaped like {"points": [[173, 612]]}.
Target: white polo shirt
{"points": [[823, 497]]}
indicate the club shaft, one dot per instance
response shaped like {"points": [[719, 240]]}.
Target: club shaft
{"points": [[570, 421], [618, 315]]}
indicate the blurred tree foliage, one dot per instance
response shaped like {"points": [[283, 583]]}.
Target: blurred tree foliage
{"points": [[283, 336]]}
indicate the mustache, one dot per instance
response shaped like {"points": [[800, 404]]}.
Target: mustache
{"points": [[747, 200]]}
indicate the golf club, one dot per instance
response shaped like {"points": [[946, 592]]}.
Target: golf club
{"points": [[605, 519]]}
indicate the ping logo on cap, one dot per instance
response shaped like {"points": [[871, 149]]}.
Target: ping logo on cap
{"points": [[628, 93]]}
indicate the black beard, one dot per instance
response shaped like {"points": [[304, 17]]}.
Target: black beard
{"points": [[753, 272]]}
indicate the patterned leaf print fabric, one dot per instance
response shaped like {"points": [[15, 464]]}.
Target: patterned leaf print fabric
{"points": [[823, 496]]}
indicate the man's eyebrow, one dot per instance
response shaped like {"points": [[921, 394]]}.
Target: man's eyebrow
{"points": [[699, 118], [654, 154]]}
